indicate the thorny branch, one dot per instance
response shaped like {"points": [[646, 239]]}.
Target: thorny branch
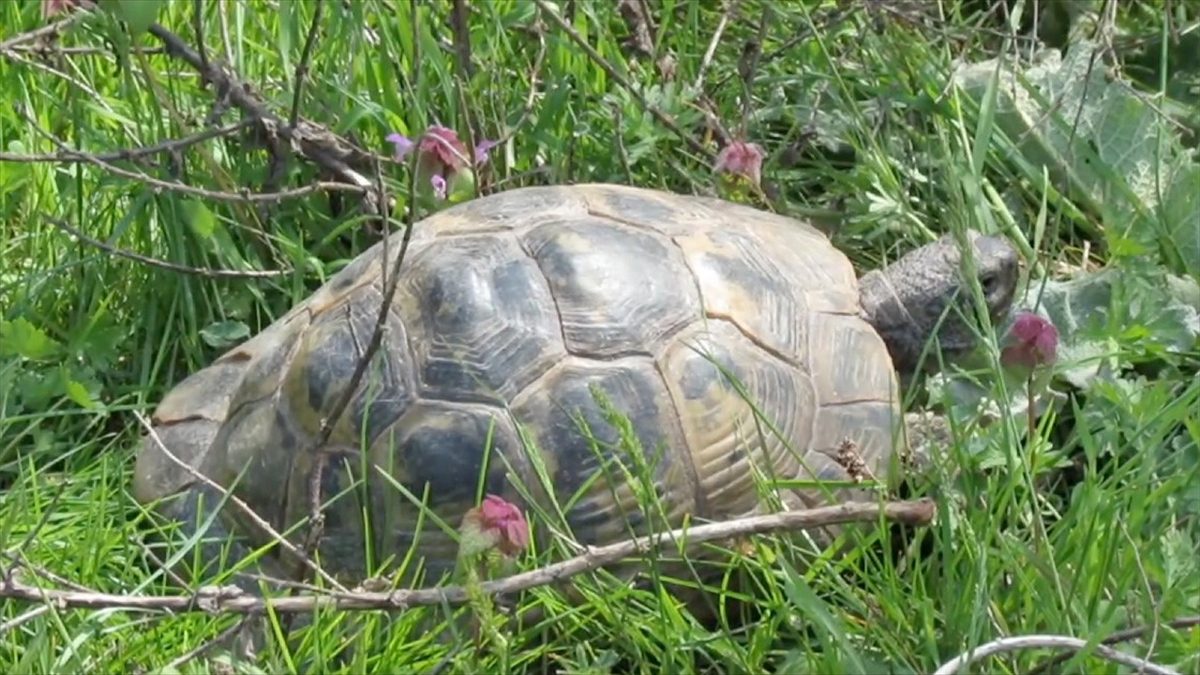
{"points": [[234, 600]]}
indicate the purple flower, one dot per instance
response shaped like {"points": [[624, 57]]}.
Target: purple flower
{"points": [[439, 186], [741, 159], [1032, 341], [402, 143], [441, 156], [482, 149], [495, 523]]}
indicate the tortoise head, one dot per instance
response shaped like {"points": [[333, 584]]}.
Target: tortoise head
{"points": [[927, 292]]}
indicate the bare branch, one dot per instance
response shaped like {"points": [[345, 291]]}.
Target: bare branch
{"points": [[80, 84], [241, 505], [129, 154], [391, 280], [461, 26], [17, 560], [21, 619], [1119, 637], [730, 9], [234, 600], [640, 41], [302, 66], [80, 51], [224, 635], [41, 32], [162, 264], [1012, 644], [242, 196], [198, 28], [748, 68], [313, 141], [535, 73], [833, 17]]}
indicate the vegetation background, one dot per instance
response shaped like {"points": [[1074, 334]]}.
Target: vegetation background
{"points": [[1071, 127]]}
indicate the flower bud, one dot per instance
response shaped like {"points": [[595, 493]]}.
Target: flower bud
{"points": [[494, 524], [1032, 341]]}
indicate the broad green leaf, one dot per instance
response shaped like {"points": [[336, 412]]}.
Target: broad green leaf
{"points": [[199, 218], [224, 333], [21, 338], [137, 14], [1111, 148], [78, 393], [1100, 313], [14, 174]]}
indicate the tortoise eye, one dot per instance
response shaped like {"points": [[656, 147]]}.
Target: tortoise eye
{"points": [[989, 282]]}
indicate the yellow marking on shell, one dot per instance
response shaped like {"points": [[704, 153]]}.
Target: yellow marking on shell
{"points": [[743, 412], [859, 369]]}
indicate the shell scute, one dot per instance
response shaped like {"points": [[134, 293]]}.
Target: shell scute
{"points": [[744, 412], [325, 362], [742, 282], [619, 291], [481, 320], [584, 451]]}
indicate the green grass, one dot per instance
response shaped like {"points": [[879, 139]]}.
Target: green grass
{"points": [[1084, 529]]}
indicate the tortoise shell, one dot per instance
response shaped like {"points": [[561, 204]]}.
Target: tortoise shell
{"points": [[729, 338]]}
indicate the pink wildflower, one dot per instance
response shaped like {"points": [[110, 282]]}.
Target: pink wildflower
{"points": [[495, 523], [52, 7], [441, 156], [1032, 341], [741, 159]]}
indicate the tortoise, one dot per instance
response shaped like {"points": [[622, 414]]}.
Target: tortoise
{"points": [[735, 343]]}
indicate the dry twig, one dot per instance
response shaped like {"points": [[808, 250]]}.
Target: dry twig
{"points": [[21, 619], [162, 264], [1011, 644], [191, 654], [170, 146], [317, 143], [730, 9], [1119, 637], [41, 32], [175, 186], [234, 600], [640, 39], [391, 282], [240, 504], [302, 66]]}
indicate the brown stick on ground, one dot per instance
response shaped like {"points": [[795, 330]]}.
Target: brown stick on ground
{"points": [[920, 512]]}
